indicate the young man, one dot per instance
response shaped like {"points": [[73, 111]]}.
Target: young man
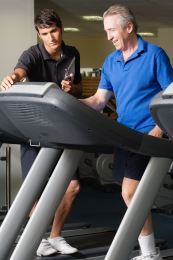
{"points": [[134, 73], [48, 62]]}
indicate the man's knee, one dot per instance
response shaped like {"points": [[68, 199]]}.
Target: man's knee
{"points": [[128, 189], [127, 195]]}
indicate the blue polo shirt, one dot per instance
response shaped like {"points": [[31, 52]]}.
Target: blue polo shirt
{"points": [[135, 82]]}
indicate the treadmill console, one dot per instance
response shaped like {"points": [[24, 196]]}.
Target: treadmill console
{"points": [[42, 114], [161, 108], [36, 89]]}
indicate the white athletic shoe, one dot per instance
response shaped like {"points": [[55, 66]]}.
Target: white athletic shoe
{"points": [[62, 246], [149, 257], [45, 249]]}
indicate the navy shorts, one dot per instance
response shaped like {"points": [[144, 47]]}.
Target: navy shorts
{"points": [[128, 164], [28, 155]]}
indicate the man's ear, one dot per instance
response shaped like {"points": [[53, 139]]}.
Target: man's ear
{"points": [[129, 27], [39, 37]]}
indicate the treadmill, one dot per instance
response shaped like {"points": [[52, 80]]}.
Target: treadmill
{"points": [[41, 114]]}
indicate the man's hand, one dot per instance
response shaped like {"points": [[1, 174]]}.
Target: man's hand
{"points": [[67, 85], [156, 131], [8, 81]]}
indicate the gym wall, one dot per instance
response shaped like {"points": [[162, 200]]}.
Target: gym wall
{"points": [[17, 34]]}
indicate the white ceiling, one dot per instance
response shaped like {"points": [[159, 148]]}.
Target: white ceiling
{"points": [[150, 14]]}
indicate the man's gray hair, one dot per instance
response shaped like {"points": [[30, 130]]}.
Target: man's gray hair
{"points": [[125, 14]]}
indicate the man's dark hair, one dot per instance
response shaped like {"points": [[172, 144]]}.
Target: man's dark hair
{"points": [[46, 18]]}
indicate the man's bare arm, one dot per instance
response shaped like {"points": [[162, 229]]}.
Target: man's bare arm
{"points": [[99, 100]]}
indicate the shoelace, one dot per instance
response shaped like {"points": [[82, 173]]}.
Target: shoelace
{"points": [[46, 244], [62, 240]]}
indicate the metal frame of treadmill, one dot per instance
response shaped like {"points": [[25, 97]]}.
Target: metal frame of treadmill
{"points": [[130, 226]]}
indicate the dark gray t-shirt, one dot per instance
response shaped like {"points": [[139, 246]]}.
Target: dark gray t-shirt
{"points": [[40, 67]]}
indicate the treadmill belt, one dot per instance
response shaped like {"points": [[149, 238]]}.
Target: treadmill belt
{"points": [[91, 240], [92, 243], [92, 253]]}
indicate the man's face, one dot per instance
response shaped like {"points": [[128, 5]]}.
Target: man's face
{"points": [[51, 37], [116, 33]]}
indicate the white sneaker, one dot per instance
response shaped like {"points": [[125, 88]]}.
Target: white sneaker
{"points": [[45, 248], [149, 257], [62, 246]]}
